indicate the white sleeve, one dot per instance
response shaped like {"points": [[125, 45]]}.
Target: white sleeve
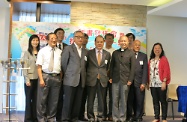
{"points": [[39, 60]]}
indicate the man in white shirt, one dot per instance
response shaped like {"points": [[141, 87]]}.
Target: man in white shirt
{"points": [[109, 40], [49, 69]]}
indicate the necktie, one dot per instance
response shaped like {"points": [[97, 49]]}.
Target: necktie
{"points": [[59, 46], [136, 55], [99, 58], [99, 61], [51, 62]]}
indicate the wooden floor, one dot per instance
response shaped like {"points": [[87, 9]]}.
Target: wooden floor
{"points": [[20, 118]]}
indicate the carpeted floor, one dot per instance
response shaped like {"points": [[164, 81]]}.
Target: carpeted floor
{"points": [[19, 117]]}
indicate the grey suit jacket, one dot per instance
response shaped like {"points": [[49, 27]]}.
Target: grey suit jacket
{"points": [[141, 70], [73, 67], [31, 73], [122, 66], [93, 69]]}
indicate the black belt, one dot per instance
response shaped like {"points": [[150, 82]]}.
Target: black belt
{"points": [[52, 74]]}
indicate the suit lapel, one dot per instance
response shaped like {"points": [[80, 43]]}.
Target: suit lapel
{"points": [[103, 58], [139, 56], [75, 51], [93, 57]]}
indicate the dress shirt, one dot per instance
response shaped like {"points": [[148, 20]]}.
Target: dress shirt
{"points": [[101, 52], [79, 50], [43, 59], [136, 55], [60, 45]]}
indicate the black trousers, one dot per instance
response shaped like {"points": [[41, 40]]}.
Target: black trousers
{"points": [[60, 104], [84, 98], [139, 98], [131, 104], [159, 96], [31, 99], [109, 103], [72, 102], [48, 98], [101, 96]]}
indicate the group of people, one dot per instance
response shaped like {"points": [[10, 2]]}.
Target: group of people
{"points": [[62, 78]]}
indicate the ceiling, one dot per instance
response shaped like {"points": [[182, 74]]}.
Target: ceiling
{"points": [[130, 2], [174, 8]]}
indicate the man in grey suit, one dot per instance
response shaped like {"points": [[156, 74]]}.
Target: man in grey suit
{"points": [[140, 79], [121, 76], [97, 79], [74, 77]]}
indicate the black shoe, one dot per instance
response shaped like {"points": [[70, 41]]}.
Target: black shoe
{"points": [[184, 120], [130, 120], [138, 120], [91, 120], [83, 119]]}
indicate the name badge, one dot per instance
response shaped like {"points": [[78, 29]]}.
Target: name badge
{"points": [[141, 62], [85, 58], [106, 61]]}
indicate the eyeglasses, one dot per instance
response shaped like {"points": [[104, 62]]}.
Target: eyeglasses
{"points": [[79, 37]]}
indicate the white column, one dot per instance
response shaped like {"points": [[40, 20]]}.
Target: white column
{"points": [[4, 34]]}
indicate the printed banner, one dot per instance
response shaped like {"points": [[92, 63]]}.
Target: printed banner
{"points": [[21, 31]]}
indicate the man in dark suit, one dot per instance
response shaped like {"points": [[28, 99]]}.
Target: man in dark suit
{"points": [[140, 79], [97, 79], [60, 37], [74, 77], [121, 76], [131, 98], [84, 96]]}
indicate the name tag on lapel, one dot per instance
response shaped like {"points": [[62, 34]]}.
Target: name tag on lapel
{"points": [[106, 61], [141, 62], [85, 58]]}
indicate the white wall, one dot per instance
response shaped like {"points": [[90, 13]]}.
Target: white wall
{"points": [[4, 34], [172, 33]]}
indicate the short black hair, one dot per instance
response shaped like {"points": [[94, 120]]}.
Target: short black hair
{"points": [[152, 55], [30, 48], [86, 35], [130, 34], [59, 29], [109, 34]]}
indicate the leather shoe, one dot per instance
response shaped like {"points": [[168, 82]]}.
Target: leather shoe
{"points": [[83, 119], [130, 120], [91, 120], [138, 120], [110, 118]]}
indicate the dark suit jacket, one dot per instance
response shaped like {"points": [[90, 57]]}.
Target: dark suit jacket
{"points": [[93, 69], [73, 67], [141, 70], [122, 66]]}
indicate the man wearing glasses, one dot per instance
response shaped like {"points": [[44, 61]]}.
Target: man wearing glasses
{"points": [[74, 77]]}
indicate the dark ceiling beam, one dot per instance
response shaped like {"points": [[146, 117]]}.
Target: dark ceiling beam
{"points": [[43, 1]]}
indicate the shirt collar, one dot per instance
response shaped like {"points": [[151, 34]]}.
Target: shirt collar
{"points": [[77, 46], [59, 43], [51, 47], [101, 51]]}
